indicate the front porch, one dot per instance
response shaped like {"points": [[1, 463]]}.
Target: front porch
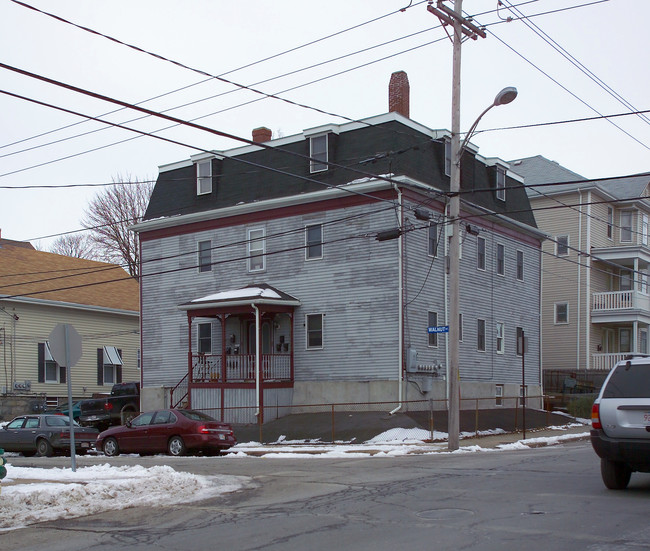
{"points": [[239, 368]]}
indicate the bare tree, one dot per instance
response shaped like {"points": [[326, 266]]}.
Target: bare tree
{"points": [[77, 245], [109, 216]]}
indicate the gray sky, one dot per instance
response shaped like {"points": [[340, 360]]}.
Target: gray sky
{"points": [[608, 38]]}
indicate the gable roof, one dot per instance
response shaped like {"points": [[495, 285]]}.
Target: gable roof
{"points": [[12, 243], [31, 274]]}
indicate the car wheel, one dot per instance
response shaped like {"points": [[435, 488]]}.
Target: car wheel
{"points": [[44, 448], [110, 447], [616, 476], [176, 446]]}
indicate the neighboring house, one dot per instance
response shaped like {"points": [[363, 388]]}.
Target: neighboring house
{"points": [[38, 291], [273, 275], [596, 302]]}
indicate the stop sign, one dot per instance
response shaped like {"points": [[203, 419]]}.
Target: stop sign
{"points": [[61, 335]]}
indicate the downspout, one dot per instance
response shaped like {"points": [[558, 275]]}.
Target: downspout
{"points": [[400, 301], [578, 347], [257, 360], [446, 297]]}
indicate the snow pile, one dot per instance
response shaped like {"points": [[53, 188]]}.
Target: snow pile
{"points": [[49, 494]]}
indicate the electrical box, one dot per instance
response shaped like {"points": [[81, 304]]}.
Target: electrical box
{"points": [[411, 360]]}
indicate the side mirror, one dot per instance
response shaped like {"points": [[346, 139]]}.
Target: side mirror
{"points": [[129, 424]]}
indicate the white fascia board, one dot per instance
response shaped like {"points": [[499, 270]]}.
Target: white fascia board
{"points": [[324, 129], [70, 305], [226, 304]]}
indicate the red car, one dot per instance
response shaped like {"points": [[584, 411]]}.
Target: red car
{"points": [[172, 431]]}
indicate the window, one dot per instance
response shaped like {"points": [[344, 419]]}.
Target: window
{"points": [[205, 338], [205, 256], [625, 340], [523, 393], [204, 177], [520, 265], [314, 242], [314, 330], [610, 222], [51, 368], [643, 341], [520, 336], [480, 253], [498, 395], [112, 368], [433, 322], [447, 157], [561, 312], [256, 250], [644, 229], [562, 245], [626, 226], [500, 341], [460, 327], [433, 237], [501, 259], [625, 281], [480, 335], [501, 183], [318, 153]]}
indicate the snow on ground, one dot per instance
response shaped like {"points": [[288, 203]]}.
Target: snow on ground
{"points": [[29, 495]]}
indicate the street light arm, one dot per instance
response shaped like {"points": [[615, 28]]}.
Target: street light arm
{"points": [[470, 134]]}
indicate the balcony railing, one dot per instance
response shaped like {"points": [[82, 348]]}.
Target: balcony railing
{"points": [[619, 300], [207, 368]]}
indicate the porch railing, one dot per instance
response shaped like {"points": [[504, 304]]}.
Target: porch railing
{"points": [[208, 368], [619, 300], [605, 362]]}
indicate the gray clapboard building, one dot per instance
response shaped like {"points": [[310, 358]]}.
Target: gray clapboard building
{"points": [[308, 270]]}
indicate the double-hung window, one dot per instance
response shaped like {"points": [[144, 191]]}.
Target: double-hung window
{"points": [[447, 157], [480, 253], [433, 235], [561, 313], [204, 177], [480, 335], [501, 183], [314, 326], [256, 250], [520, 265], [501, 259], [626, 226], [500, 344], [205, 256], [314, 242], [610, 222], [562, 245], [205, 338], [318, 153], [51, 367], [433, 322]]}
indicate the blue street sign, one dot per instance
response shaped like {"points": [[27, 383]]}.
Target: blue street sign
{"points": [[439, 329]]}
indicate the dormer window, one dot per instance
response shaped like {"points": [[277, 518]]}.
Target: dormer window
{"points": [[447, 157], [501, 183], [318, 153], [204, 177]]}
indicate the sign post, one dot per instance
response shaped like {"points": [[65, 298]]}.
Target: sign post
{"points": [[65, 345]]}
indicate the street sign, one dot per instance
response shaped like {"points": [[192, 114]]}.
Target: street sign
{"points": [[439, 329], [57, 342]]}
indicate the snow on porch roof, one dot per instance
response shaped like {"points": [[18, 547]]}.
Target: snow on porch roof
{"points": [[252, 294]]}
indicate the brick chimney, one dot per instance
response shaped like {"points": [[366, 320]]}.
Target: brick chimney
{"points": [[398, 93], [262, 134]]}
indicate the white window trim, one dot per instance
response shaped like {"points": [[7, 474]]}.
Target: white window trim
{"points": [[498, 394], [644, 229], [500, 247], [436, 226], [255, 241], [307, 244], [49, 359], [484, 349], [501, 184], [500, 337], [610, 224], [556, 322], [322, 331], [447, 157], [198, 337], [201, 178], [110, 368], [520, 254], [626, 228], [433, 336], [315, 166]]}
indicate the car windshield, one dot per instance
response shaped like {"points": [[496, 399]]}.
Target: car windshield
{"points": [[195, 415], [629, 380]]}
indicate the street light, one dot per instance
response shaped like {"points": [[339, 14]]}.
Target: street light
{"points": [[503, 97]]}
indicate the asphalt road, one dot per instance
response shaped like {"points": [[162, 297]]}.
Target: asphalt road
{"points": [[540, 499]]}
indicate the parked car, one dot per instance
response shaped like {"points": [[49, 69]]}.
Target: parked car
{"points": [[63, 410], [172, 431], [44, 435], [620, 419]]}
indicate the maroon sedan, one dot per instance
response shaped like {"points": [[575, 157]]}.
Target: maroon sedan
{"points": [[172, 431]]}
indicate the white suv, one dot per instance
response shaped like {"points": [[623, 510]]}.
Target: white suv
{"points": [[620, 419]]}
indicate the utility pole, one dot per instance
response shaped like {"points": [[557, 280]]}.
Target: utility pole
{"points": [[461, 27]]}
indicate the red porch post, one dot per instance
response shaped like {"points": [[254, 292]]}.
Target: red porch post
{"points": [[189, 360]]}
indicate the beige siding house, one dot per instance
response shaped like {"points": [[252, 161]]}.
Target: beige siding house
{"points": [[39, 290], [595, 295]]}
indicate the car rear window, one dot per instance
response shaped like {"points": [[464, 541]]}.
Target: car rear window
{"points": [[629, 381], [195, 415]]}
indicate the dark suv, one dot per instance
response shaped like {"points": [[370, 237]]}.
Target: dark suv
{"points": [[620, 419]]}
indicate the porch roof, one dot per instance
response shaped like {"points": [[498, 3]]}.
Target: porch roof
{"points": [[251, 294]]}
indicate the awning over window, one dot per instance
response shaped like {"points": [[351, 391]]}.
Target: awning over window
{"points": [[253, 294], [48, 353], [112, 356]]}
